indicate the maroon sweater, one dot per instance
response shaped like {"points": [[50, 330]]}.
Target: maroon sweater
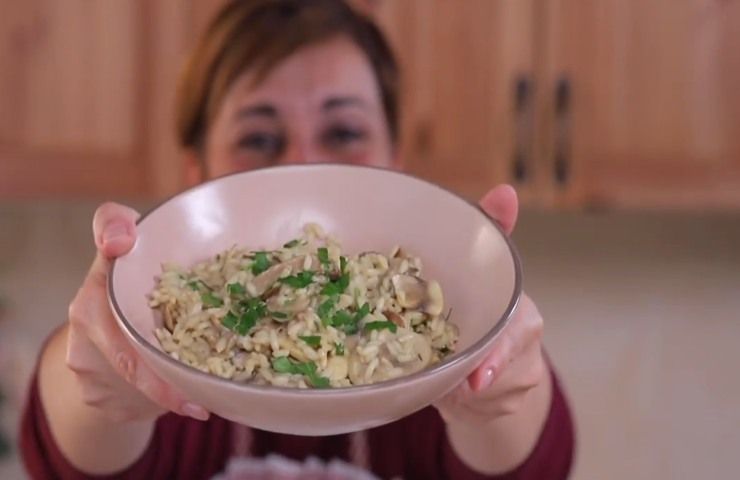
{"points": [[415, 447]]}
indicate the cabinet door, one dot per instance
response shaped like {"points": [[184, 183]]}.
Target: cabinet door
{"points": [[460, 63], [70, 97], [649, 108]]}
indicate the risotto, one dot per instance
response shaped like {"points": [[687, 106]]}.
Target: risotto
{"points": [[304, 315]]}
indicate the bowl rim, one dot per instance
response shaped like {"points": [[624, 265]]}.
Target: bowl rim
{"points": [[446, 364]]}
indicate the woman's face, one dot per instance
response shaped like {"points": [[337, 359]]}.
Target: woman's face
{"points": [[321, 104]]}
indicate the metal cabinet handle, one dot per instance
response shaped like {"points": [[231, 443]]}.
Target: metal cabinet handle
{"points": [[561, 158], [523, 123]]}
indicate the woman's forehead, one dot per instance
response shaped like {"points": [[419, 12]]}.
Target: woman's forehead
{"points": [[333, 72]]}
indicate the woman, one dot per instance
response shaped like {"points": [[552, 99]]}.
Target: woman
{"points": [[278, 82]]}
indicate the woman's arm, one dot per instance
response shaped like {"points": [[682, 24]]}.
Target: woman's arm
{"points": [[90, 440], [100, 399]]}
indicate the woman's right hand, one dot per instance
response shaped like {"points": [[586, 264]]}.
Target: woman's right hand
{"points": [[111, 376]]}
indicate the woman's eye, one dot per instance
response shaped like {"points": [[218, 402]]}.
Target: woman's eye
{"points": [[262, 143], [339, 136]]}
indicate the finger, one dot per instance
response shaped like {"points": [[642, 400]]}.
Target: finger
{"points": [[493, 365], [114, 231], [524, 329], [501, 204], [90, 311]]}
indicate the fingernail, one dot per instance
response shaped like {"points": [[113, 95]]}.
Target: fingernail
{"points": [[487, 379], [195, 411], [114, 231]]}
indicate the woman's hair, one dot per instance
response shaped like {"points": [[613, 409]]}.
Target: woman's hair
{"points": [[256, 35]]}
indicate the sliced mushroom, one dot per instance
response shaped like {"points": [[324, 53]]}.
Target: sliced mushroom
{"points": [[168, 312], [266, 279], [413, 292], [394, 317], [299, 305]]}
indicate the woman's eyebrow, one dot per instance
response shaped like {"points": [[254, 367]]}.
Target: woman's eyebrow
{"points": [[337, 102], [257, 110]]}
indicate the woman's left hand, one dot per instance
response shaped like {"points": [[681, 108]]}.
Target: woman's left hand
{"points": [[515, 363]]}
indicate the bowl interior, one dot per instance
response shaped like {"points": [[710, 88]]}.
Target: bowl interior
{"points": [[365, 208]]}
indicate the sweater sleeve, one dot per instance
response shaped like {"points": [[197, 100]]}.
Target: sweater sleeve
{"points": [[180, 447]]}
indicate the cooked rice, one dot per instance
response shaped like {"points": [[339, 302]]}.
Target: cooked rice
{"points": [[293, 317]]}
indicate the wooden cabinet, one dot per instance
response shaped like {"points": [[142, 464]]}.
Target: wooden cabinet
{"points": [[70, 97], [652, 114], [606, 103], [460, 63], [86, 97]]}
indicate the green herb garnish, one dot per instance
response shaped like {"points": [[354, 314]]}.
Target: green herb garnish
{"points": [[323, 253], [260, 263], [362, 312], [236, 289], [300, 280], [292, 243], [381, 325], [325, 309], [342, 319], [313, 341], [278, 315], [339, 348], [242, 322], [247, 320], [230, 321], [342, 264], [337, 286], [210, 300], [307, 369]]}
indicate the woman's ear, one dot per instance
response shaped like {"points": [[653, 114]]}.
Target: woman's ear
{"points": [[194, 172]]}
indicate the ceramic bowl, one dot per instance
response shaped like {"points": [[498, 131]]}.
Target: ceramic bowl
{"points": [[366, 209]]}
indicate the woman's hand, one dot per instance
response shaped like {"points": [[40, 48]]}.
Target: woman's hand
{"points": [[111, 376], [515, 364]]}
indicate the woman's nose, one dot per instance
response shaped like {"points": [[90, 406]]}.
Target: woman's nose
{"points": [[302, 153]]}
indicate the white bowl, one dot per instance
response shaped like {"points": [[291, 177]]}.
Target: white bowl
{"points": [[366, 209]]}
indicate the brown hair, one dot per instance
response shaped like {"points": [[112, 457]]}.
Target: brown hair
{"points": [[258, 34]]}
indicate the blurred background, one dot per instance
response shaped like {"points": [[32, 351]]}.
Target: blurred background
{"points": [[617, 120]]}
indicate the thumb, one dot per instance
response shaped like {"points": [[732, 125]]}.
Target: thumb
{"points": [[501, 204], [114, 231]]}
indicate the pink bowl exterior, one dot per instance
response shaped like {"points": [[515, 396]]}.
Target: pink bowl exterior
{"points": [[367, 209]]}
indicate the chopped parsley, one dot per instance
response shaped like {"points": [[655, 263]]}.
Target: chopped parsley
{"points": [[336, 287], [300, 280], [251, 311], [292, 243], [210, 300], [260, 263], [323, 253], [278, 315], [343, 320], [313, 341], [230, 321], [342, 264], [339, 348], [324, 310], [348, 322], [236, 289], [307, 369], [380, 326]]}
